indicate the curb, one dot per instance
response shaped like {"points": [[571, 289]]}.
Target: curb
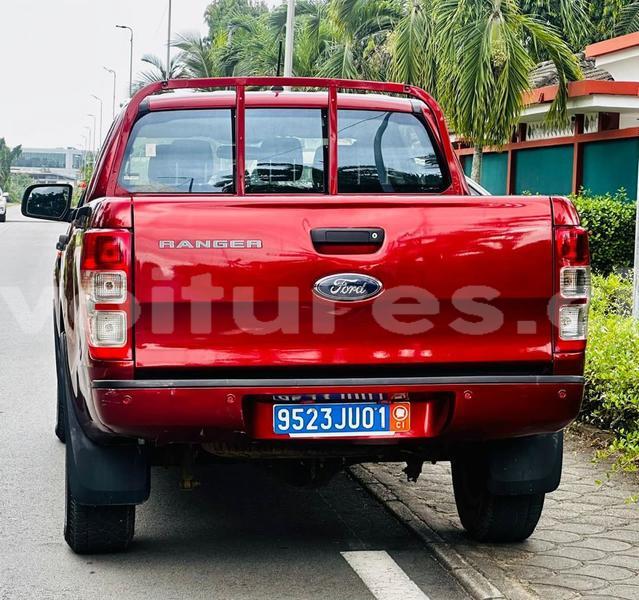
{"points": [[427, 524]]}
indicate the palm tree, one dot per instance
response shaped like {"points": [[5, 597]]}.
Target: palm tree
{"points": [[359, 29], [197, 55], [158, 71], [413, 45], [486, 56], [629, 21], [571, 17], [475, 56]]}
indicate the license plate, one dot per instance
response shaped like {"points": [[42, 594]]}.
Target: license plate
{"points": [[341, 420]]}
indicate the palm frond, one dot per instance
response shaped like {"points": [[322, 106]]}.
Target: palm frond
{"points": [[410, 46], [158, 71], [197, 57], [340, 62], [565, 62], [629, 19]]}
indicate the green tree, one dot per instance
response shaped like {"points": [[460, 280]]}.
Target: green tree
{"points": [[197, 57], [220, 13], [18, 182], [584, 22], [485, 59], [357, 45], [570, 17], [7, 157], [158, 72], [628, 21], [475, 56]]}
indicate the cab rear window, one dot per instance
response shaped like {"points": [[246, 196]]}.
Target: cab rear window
{"points": [[386, 152], [192, 151], [180, 151]]}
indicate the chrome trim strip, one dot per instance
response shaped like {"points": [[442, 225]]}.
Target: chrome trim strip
{"points": [[334, 382]]}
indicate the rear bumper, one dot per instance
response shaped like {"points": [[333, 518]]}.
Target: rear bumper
{"points": [[447, 408]]}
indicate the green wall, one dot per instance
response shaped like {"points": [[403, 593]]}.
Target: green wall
{"points": [[467, 164], [608, 166], [544, 170], [494, 171]]}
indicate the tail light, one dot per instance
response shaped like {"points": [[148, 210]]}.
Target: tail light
{"points": [[106, 282], [573, 298]]}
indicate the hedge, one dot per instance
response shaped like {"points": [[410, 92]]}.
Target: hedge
{"points": [[611, 398], [610, 220]]}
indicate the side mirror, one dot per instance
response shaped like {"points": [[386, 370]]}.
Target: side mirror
{"points": [[50, 202], [6, 196]]}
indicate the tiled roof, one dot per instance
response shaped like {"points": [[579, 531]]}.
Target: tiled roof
{"points": [[545, 73]]}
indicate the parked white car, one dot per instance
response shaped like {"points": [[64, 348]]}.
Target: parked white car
{"points": [[3, 205]]}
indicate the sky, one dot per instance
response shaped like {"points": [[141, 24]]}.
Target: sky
{"points": [[52, 54]]}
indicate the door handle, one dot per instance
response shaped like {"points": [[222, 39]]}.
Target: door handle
{"points": [[346, 236]]}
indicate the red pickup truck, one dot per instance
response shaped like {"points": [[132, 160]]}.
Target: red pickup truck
{"points": [[301, 278]]}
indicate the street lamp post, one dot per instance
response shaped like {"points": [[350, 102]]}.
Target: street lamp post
{"points": [[94, 148], [85, 138], [168, 46], [89, 136], [100, 128], [130, 57], [114, 79]]}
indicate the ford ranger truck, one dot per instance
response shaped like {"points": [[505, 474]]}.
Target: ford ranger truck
{"points": [[275, 270]]}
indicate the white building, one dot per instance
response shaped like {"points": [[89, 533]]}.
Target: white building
{"points": [[50, 165]]}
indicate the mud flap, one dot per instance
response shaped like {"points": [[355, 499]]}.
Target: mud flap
{"points": [[102, 475], [529, 465]]}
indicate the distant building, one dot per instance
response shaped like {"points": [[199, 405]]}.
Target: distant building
{"points": [[598, 150], [50, 165]]}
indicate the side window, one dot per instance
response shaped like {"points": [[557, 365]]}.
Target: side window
{"points": [[185, 151], [285, 150], [386, 152]]}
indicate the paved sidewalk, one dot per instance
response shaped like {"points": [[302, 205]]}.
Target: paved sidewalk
{"points": [[586, 545]]}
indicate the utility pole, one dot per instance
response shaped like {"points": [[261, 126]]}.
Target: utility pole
{"points": [[85, 152], [94, 131], [290, 33], [168, 46], [100, 128], [114, 77], [88, 128], [130, 57]]}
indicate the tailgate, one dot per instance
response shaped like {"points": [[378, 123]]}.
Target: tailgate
{"points": [[229, 282]]}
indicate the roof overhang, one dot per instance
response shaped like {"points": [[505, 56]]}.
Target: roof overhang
{"points": [[623, 42], [579, 89], [590, 104]]}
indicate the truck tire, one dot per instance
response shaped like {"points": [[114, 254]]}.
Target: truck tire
{"points": [[3, 218], [98, 529], [489, 517]]}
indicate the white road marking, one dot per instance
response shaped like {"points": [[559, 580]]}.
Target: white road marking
{"points": [[383, 576]]}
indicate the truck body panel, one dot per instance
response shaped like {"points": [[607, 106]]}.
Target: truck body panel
{"points": [[463, 270]]}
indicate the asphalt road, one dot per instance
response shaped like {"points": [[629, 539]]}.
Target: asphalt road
{"points": [[240, 535]]}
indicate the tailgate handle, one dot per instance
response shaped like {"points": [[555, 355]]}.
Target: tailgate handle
{"points": [[348, 236]]}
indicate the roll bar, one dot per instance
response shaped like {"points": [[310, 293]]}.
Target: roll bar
{"points": [[240, 84]]}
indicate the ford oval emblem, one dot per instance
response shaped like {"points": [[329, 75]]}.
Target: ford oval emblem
{"points": [[348, 287]]}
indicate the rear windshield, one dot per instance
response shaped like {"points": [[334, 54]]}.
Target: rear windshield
{"points": [[286, 152]]}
